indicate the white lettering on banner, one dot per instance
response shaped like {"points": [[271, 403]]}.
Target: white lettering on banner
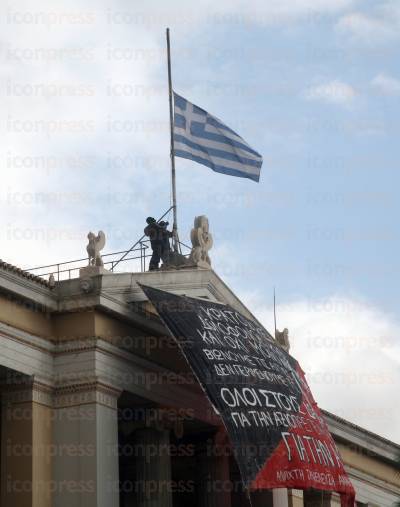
{"points": [[344, 481], [250, 396], [240, 348], [241, 418], [278, 419], [235, 339], [324, 479], [290, 475], [309, 449]]}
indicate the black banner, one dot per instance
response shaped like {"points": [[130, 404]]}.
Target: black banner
{"points": [[277, 432]]}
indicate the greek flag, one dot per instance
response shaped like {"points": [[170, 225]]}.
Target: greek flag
{"points": [[203, 138]]}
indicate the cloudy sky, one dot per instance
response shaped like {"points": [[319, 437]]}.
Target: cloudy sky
{"points": [[313, 85]]}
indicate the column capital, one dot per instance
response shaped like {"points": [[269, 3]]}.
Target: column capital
{"points": [[30, 390], [26, 390], [86, 393]]}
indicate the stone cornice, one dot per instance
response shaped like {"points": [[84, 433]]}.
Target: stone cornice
{"points": [[113, 292], [7, 267], [386, 485], [28, 339], [14, 281], [73, 347], [362, 438], [86, 393], [60, 397], [27, 390]]}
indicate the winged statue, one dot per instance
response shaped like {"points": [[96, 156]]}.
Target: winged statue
{"points": [[95, 245], [202, 242]]}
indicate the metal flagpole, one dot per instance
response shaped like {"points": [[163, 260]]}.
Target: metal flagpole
{"points": [[274, 313], [171, 122]]}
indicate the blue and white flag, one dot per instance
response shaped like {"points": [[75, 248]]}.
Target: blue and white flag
{"points": [[203, 138]]}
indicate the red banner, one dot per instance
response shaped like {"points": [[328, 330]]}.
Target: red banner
{"points": [[307, 456]]}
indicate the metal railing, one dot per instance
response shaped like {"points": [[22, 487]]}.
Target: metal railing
{"points": [[137, 256]]}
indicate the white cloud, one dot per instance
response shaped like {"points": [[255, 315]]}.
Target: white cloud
{"points": [[258, 12], [287, 9], [350, 352], [378, 27], [386, 85], [333, 92], [363, 28]]}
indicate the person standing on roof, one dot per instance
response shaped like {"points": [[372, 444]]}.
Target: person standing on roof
{"points": [[159, 241]]}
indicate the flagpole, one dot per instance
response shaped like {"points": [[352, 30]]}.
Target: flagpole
{"points": [[172, 154], [274, 313]]}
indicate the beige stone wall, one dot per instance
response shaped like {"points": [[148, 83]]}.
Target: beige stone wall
{"points": [[26, 317], [295, 498], [89, 324], [361, 461], [74, 326], [159, 349]]}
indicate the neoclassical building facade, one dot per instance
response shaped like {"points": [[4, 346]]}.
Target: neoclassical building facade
{"points": [[100, 409]]}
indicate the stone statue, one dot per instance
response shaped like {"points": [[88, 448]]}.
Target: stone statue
{"points": [[282, 337], [202, 242], [52, 281], [96, 243]]}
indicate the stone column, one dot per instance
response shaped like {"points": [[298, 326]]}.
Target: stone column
{"points": [[213, 478], [280, 497], [335, 500], [86, 444], [296, 498], [26, 443], [152, 468]]}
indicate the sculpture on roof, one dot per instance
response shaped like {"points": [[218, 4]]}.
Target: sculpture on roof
{"points": [[95, 245], [52, 281], [202, 242], [282, 337]]}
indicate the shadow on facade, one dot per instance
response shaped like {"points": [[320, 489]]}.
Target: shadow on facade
{"points": [[169, 460]]}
